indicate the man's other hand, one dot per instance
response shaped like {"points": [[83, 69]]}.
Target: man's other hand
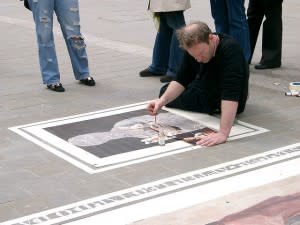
{"points": [[212, 139]]}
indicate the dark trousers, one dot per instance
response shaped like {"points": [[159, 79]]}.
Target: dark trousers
{"points": [[192, 99], [167, 55], [272, 29]]}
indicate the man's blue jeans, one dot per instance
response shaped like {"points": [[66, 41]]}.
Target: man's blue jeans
{"points": [[67, 12], [230, 18], [167, 55]]}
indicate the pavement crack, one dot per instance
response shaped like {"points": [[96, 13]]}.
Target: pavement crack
{"points": [[6, 202]]}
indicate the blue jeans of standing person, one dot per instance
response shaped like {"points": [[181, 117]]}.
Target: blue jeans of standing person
{"points": [[167, 55], [67, 12], [230, 18]]}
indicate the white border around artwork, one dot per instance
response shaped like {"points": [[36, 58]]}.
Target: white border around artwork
{"points": [[90, 163]]}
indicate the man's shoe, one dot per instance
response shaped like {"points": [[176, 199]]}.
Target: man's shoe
{"points": [[56, 87], [89, 81], [148, 73], [264, 66], [166, 78]]}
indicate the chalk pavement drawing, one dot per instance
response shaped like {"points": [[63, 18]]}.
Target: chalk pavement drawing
{"points": [[125, 135], [277, 210]]}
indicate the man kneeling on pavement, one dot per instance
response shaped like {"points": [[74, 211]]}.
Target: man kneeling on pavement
{"points": [[213, 78]]}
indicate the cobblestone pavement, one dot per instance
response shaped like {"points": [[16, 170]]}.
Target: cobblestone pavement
{"points": [[120, 35]]}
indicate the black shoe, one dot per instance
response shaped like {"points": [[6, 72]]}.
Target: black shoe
{"points": [[264, 66], [56, 87], [89, 81], [166, 78], [147, 73]]}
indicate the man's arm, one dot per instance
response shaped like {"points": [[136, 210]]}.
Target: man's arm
{"points": [[228, 113], [228, 109], [173, 91]]}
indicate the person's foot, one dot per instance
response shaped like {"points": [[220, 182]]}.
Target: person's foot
{"points": [[264, 66], [89, 81], [166, 78], [56, 87], [148, 73]]}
